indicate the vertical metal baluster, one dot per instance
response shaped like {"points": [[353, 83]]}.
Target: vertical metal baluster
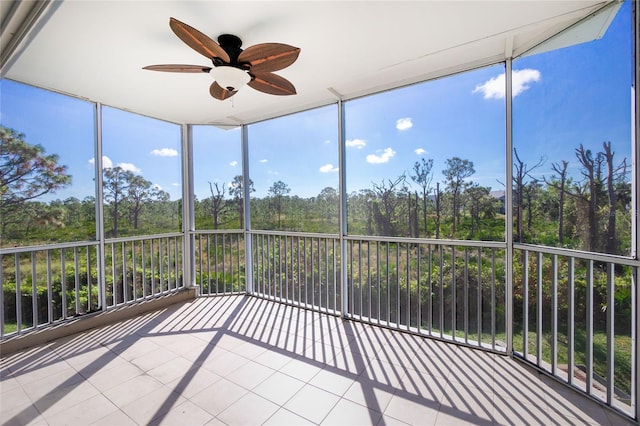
{"points": [[199, 256], [387, 285], [539, 312], [454, 302], [441, 325], [88, 254], [125, 285], [378, 279], [2, 313], [306, 272], [360, 275], [239, 248], [610, 333], [76, 276], [161, 264], [143, 260], [19, 293], [224, 258], [63, 284], [570, 320], [215, 265], [49, 288], [588, 356], [286, 268], [327, 272], [479, 298], [231, 261], [430, 288], [465, 299], [34, 291], [313, 272], [299, 269], [493, 298], [419, 284], [134, 271], [554, 315], [350, 281], [525, 305], [335, 275], [408, 283], [153, 267], [398, 285]]}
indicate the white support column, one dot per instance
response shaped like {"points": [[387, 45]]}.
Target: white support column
{"points": [[246, 195], [635, 185], [342, 182], [99, 206], [508, 199], [188, 218]]}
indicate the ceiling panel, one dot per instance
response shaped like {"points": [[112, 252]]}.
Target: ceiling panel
{"points": [[96, 49]]}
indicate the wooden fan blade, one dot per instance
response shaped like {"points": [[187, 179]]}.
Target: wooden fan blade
{"points": [[267, 57], [272, 84], [219, 92], [198, 41], [178, 68]]}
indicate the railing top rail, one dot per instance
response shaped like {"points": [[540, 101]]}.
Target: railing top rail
{"points": [[142, 237], [216, 231], [293, 234], [43, 247], [586, 255], [443, 242]]}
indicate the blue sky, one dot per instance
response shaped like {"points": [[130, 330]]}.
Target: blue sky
{"points": [[563, 98]]}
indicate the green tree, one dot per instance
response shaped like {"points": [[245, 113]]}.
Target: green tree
{"points": [[277, 192], [456, 172], [116, 185], [236, 191], [139, 193], [26, 173], [423, 177]]}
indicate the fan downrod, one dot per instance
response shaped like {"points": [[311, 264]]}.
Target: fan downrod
{"points": [[231, 44]]}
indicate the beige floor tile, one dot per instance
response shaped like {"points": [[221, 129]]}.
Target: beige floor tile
{"points": [[250, 375], [132, 390], [83, 413], [333, 380], [251, 409], [422, 385], [278, 388], [219, 396], [225, 363], [312, 403], [284, 417], [371, 394], [152, 405], [28, 415], [104, 380], [194, 384], [151, 360], [301, 369], [115, 418], [48, 384], [183, 414], [349, 413], [408, 409], [273, 359], [465, 401], [62, 398], [173, 369]]}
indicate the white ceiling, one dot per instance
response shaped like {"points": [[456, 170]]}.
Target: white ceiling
{"points": [[96, 49]]}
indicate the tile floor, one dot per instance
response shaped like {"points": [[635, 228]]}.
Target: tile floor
{"points": [[240, 360]]}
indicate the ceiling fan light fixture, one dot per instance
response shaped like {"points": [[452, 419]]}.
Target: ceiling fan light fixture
{"points": [[230, 78]]}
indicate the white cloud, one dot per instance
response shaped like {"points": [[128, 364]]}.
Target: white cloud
{"points": [[495, 87], [106, 162], [404, 123], [233, 163], [356, 143], [328, 141], [175, 184], [165, 152], [420, 151], [264, 160], [129, 167], [384, 157], [328, 168], [158, 187]]}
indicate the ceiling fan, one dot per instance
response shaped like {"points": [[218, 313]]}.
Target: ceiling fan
{"points": [[234, 67]]}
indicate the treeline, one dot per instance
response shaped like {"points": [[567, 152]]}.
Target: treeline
{"points": [[589, 209]]}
